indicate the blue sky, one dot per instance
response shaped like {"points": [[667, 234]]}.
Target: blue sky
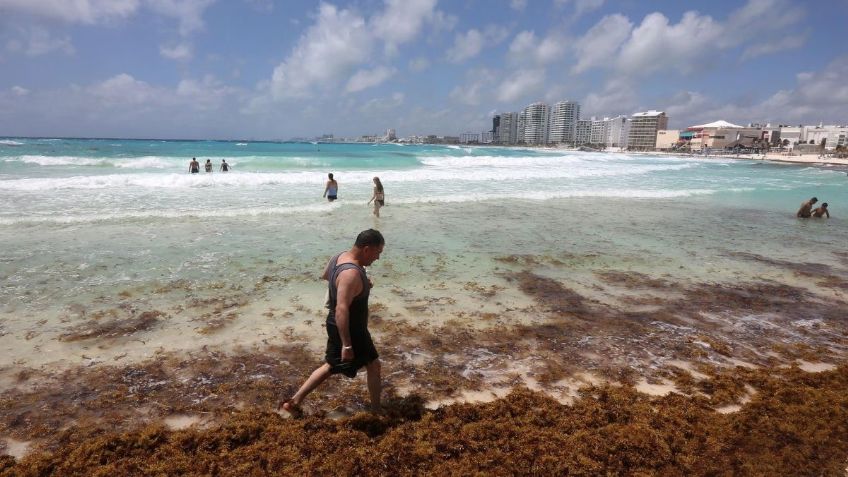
{"points": [[274, 69]]}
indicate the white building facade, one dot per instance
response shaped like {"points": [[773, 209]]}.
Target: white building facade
{"points": [[583, 132], [617, 131], [536, 123], [564, 116]]}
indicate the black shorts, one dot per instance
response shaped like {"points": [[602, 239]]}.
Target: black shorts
{"points": [[331, 198], [363, 351]]}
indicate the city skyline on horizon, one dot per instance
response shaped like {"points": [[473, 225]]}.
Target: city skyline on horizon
{"points": [[168, 69]]}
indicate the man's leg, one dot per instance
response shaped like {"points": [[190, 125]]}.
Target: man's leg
{"points": [[313, 381], [374, 383]]}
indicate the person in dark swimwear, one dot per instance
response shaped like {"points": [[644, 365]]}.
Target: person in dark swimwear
{"points": [[806, 208], [194, 166], [208, 165], [378, 197], [349, 343], [331, 190], [820, 211], [224, 166]]}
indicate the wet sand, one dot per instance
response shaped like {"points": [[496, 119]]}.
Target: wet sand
{"points": [[648, 355]]}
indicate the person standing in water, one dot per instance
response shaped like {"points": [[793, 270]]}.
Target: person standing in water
{"points": [[378, 197], [331, 190], [224, 166], [806, 208], [349, 343], [194, 166], [208, 165]]}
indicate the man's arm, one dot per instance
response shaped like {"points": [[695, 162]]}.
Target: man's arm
{"points": [[348, 286]]}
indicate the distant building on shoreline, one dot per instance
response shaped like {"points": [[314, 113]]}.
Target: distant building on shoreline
{"points": [[536, 123], [564, 116], [643, 129]]}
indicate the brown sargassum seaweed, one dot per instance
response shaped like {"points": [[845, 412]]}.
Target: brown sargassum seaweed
{"points": [[97, 421], [796, 424]]}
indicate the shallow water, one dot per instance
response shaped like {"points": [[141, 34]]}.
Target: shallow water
{"points": [[112, 253]]}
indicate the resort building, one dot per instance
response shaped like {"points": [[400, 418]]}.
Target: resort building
{"points": [[583, 131], [507, 129], [721, 134], [469, 138], [667, 139], [617, 131], [598, 135], [564, 116], [536, 121], [643, 129], [827, 137]]}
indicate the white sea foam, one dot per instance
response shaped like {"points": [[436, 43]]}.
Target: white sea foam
{"points": [[146, 162], [9, 142], [253, 179]]}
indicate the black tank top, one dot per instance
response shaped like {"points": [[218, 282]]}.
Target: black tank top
{"points": [[359, 307]]}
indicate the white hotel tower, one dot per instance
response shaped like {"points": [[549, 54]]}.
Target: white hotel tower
{"points": [[564, 118], [536, 122]]}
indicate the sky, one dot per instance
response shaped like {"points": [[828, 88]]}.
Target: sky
{"points": [[277, 69]]}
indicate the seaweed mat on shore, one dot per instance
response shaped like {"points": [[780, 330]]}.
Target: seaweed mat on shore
{"points": [[795, 424]]}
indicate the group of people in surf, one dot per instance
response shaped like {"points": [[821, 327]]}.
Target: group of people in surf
{"points": [[378, 197], [806, 211], [194, 166]]}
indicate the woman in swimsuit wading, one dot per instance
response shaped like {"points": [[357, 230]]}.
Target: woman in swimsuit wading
{"points": [[378, 197]]}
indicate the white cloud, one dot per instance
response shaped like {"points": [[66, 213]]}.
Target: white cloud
{"points": [[519, 5], [401, 21], [526, 48], [787, 43], [188, 12], [471, 43], [600, 44], [581, 7], [381, 105], [419, 64], [328, 52], [73, 11], [657, 45], [364, 79], [264, 6], [123, 89], [521, 84], [179, 52], [38, 41], [466, 46], [617, 97], [19, 91], [478, 86]]}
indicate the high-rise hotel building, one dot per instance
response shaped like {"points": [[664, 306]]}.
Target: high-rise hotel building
{"points": [[564, 116], [643, 129], [536, 123], [507, 128]]}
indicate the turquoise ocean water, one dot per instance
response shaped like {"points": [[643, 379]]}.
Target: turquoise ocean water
{"points": [[110, 227]]}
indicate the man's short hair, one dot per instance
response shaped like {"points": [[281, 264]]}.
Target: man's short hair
{"points": [[814, 199], [369, 237]]}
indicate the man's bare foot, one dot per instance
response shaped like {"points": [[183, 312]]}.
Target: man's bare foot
{"points": [[291, 408]]}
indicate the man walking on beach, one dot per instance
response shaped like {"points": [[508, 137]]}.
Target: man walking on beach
{"points": [[349, 344], [806, 208]]}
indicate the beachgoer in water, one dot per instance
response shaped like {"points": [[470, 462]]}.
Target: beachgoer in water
{"points": [[819, 211], [331, 190], [194, 166], [378, 197], [224, 166], [349, 343], [208, 165], [805, 210]]}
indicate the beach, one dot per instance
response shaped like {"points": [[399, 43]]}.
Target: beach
{"points": [[137, 294]]}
